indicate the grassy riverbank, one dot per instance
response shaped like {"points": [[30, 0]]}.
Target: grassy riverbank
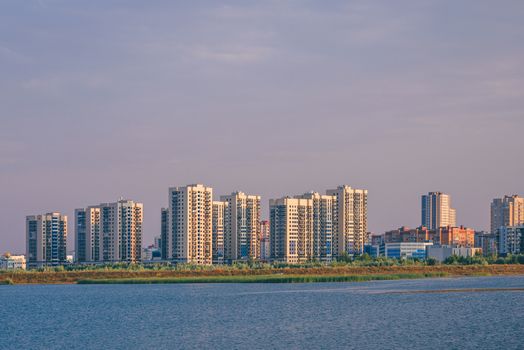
{"points": [[260, 275], [265, 279]]}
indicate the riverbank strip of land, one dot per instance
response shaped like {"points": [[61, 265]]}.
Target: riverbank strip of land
{"points": [[262, 275]]}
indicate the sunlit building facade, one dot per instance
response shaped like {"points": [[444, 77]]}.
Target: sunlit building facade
{"points": [[109, 232], [46, 240], [191, 224], [242, 230]]}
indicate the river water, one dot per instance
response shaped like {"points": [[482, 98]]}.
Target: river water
{"points": [[370, 315]]}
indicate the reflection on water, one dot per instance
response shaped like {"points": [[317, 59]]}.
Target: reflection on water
{"points": [[465, 313]]}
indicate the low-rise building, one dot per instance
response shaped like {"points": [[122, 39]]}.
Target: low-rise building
{"points": [[405, 234], [456, 236], [441, 253], [12, 262], [403, 250], [488, 242]]}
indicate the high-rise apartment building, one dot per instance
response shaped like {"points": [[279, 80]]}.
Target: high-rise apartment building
{"points": [[507, 211], [221, 220], [190, 224], [242, 231], [264, 241], [511, 240], [350, 220], [165, 237], [324, 211], [46, 240], [291, 229], [109, 232], [437, 211]]}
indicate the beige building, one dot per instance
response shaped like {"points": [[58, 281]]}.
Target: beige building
{"points": [[109, 232], [220, 222], [190, 224], [350, 220], [242, 231], [324, 211], [12, 262], [291, 229], [46, 240], [507, 211], [437, 211]]}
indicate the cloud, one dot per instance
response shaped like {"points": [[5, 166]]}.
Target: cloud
{"points": [[232, 55]]}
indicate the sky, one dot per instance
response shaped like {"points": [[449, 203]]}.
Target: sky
{"points": [[104, 99]]}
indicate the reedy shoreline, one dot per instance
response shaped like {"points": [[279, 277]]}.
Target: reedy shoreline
{"points": [[263, 275]]}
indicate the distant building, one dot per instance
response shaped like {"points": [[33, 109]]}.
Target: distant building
{"points": [[405, 234], [157, 242], [456, 236], [109, 232], [507, 211], [151, 253], [350, 220], [12, 262], [404, 250], [191, 224], [323, 212], [242, 231], [437, 211], [264, 241], [488, 243], [165, 237], [46, 237], [372, 250], [220, 220], [291, 229], [511, 240], [441, 253]]}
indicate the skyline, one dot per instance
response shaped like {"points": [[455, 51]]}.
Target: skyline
{"points": [[101, 100], [220, 197]]}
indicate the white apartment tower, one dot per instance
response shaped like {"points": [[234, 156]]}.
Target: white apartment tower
{"points": [[46, 238], [324, 210], [350, 220], [190, 224], [242, 231], [437, 211], [291, 229], [507, 211], [109, 232], [220, 222]]}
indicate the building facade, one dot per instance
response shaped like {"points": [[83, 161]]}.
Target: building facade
{"points": [[165, 237], [405, 234], [350, 220], [242, 231], [190, 224], [511, 240], [291, 230], [437, 211], [46, 240], [507, 211], [441, 253], [324, 211], [265, 247], [488, 242], [109, 232], [12, 262], [456, 236], [403, 250], [221, 220]]}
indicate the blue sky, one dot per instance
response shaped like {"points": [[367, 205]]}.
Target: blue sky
{"points": [[102, 99]]}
